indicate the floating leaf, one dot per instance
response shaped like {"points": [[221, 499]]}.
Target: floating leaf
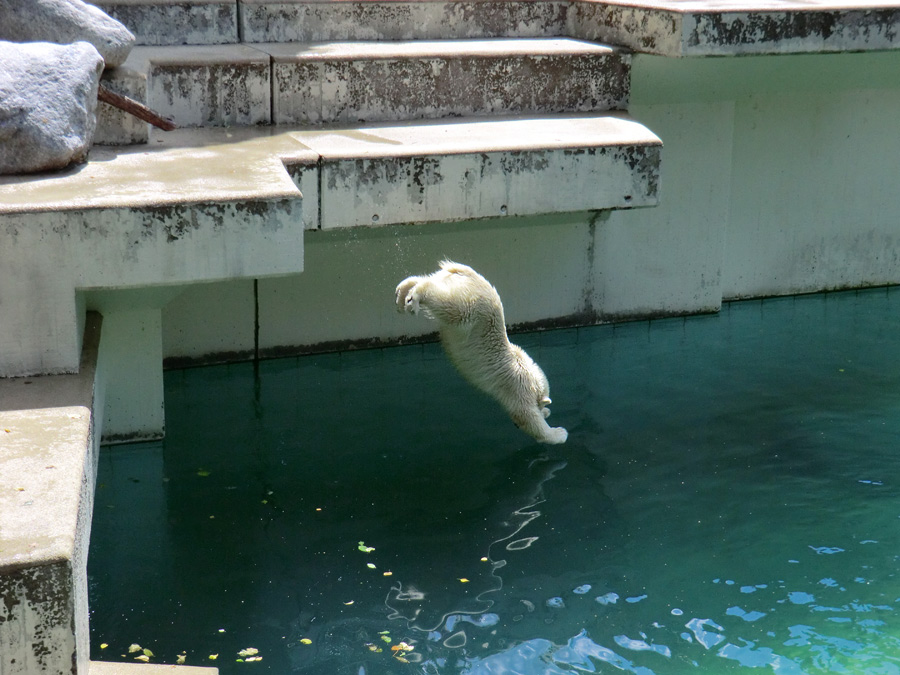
{"points": [[213, 657], [370, 566], [250, 659], [349, 603], [463, 580], [386, 638], [365, 549], [484, 559], [180, 660], [401, 659], [142, 657], [103, 645], [406, 647], [387, 574], [148, 653], [249, 651], [384, 632], [305, 641], [203, 473], [134, 648]]}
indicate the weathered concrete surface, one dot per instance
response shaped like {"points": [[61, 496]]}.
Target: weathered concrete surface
{"points": [[65, 22], [293, 21], [720, 27], [176, 22], [130, 219], [345, 82], [442, 171], [49, 439], [115, 126], [48, 100], [219, 85], [113, 668]]}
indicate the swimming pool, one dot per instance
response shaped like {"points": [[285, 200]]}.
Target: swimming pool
{"points": [[728, 500]]}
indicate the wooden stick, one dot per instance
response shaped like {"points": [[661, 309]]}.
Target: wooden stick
{"points": [[132, 107]]}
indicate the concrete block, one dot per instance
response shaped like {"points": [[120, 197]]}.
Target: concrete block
{"points": [[223, 85], [427, 172], [176, 22], [673, 28], [376, 81], [49, 440], [115, 126], [305, 21]]}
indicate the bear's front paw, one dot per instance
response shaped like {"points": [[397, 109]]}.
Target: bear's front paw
{"points": [[405, 296], [556, 435]]}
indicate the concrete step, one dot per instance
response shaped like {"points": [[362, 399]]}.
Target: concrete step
{"points": [[200, 22], [351, 82]]}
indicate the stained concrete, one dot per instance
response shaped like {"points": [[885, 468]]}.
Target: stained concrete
{"points": [[176, 22], [341, 82], [49, 439], [725, 28]]}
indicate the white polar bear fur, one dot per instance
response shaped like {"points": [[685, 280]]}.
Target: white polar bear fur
{"points": [[473, 333]]}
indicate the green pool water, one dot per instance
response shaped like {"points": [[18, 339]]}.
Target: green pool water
{"points": [[728, 501]]}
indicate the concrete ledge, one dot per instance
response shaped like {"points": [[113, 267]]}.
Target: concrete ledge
{"points": [[111, 668], [480, 168], [49, 438], [724, 28], [351, 82], [176, 22], [302, 21]]}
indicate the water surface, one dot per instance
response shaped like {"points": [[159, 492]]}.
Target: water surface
{"points": [[728, 501]]}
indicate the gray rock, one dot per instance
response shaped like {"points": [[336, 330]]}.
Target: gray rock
{"points": [[48, 104], [64, 22]]}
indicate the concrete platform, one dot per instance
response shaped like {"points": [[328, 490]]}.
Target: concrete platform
{"points": [[480, 168], [349, 82], [49, 440], [111, 668]]}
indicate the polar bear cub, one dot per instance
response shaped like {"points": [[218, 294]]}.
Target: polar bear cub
{"points": [[473, 332]]}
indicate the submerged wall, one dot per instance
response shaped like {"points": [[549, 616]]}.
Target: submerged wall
{"points": [[778, 177]]}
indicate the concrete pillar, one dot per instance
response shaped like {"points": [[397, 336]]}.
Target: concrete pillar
{"points": [[132, 352]]}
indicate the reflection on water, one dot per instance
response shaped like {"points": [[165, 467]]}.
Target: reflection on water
{"points": [[728, 501]]}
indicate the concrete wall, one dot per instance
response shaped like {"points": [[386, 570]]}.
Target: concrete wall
{"points": [[779, 176]]}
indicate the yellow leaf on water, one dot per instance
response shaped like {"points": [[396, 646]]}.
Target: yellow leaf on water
{"points": [[306, 641], [180, 660], [464, 580], [103, 645], [370, 566], [142, 657], [147, 652], [213, 657], [249, 651], [134, 648]]}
